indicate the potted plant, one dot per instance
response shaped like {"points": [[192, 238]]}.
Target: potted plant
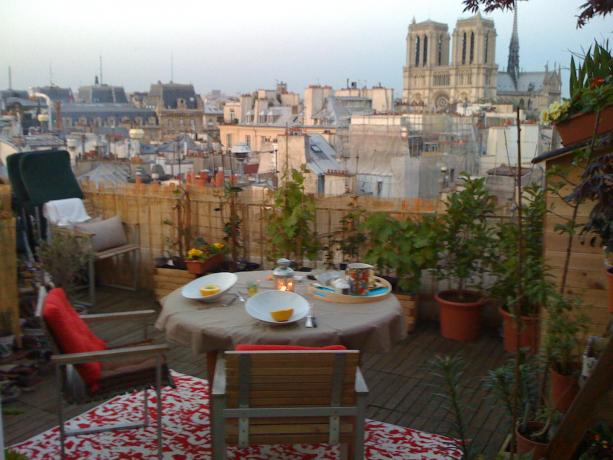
{"points": [[289, 224], [350, 238], [465, 240], [63, 257], [522, 311], [591, 91], [566, 329], [519, 377], [204, 257], [404, 248]]}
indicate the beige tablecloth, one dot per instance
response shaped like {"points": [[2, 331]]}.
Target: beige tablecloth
{"points": [[204, 327]]}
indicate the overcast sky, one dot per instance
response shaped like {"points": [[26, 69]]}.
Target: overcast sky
{"points": [[243, 45]]}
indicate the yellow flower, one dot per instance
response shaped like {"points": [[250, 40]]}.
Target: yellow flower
{"points": [[194, 253], [218, 246]]}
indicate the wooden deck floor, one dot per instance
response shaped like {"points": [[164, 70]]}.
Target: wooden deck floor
{"points": [[401, 384]]}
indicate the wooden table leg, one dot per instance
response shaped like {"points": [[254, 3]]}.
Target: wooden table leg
{"points": [[211, 362]]}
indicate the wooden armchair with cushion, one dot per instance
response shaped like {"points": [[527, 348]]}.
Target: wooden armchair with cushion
{"points": [[88, 369], [276, 396]]}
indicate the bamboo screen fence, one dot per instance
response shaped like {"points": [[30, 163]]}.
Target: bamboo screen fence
{"points": [[8, 257], [150, 206]]}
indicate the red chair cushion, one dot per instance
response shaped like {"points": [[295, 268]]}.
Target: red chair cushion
{"points": [[72, 334], [250, 347]]}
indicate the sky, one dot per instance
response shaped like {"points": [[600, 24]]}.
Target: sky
{"points": [[239, 46]]}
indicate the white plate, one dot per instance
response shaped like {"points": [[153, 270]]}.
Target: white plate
{"points": [[260, 305], [224, 280]]}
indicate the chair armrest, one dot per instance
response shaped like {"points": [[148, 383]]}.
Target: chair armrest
{"points": [[360, 383], [124, 315], [145, 351], [219, 381]]}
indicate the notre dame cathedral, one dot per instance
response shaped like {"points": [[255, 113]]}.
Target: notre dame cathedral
{"points": [[441, 71]]}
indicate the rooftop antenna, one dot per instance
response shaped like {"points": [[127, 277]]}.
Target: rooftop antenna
{"points": [[100, 59], [50, 74], [172, 67], [10, 78]]}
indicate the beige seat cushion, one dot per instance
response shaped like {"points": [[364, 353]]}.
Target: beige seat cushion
{"points": [[108, 233]]}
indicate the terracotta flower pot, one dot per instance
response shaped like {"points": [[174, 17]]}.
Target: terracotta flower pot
{"points": [[610, 280], [525, 444], [460, 320], [198, 267], [564, 388], [580, 127], [529, 333]]}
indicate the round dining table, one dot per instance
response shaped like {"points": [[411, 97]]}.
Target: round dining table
{"points": [[210, 327]]}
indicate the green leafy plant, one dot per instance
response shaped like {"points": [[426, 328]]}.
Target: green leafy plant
{"points": [[402, 247], [591, 85], [449, 370], [566, 329], [350, 238], [534, 281], [63, 256], [232, 224], [11, 454], [466, 237], [289, 224]]}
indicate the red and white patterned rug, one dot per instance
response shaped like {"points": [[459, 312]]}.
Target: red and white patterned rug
{"points": [[187, 434]]}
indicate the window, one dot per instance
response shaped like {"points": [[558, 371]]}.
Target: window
{"points": [[439, 50], [321, 184], [417, 45], [464, 49], [379, 187], [472, 47], [487, 44], [228, 140], [248, 139], [425, 49]]}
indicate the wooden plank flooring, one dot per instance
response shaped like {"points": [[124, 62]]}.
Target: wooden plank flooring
{"points": [[401, 383]]}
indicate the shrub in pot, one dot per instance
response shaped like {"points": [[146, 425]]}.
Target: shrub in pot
{"points": [[525, 275], [465, 249], [565, 330], [204, 257], [404, 248]]}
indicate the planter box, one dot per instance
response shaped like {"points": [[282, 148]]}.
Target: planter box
{"points": [[580, 127], [409, 310], [166, 280]]}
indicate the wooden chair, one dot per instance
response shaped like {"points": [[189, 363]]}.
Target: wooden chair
{"points": [[288, 397], [130, 367]]}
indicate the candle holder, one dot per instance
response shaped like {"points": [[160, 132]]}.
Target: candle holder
{"points": [[283, 276]]}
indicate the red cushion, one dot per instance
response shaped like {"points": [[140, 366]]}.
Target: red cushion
{"points": [[250, 347], [72, 334]]}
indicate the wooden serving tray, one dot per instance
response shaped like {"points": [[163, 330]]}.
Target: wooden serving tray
{"points": [[330, 296]]}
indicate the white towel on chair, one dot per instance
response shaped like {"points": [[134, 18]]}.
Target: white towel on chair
{"points": [[65, 212]]}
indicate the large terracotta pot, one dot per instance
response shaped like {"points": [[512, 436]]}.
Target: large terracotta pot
{"points": [[528, 336], [610, 279], [460, 320], [564, 388], [580, 127], [525, 445]]}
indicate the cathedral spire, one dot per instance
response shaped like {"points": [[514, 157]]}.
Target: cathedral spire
{"points": [[513, 63]]}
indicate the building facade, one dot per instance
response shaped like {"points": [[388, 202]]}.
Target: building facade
{"points": [[179, 109]]}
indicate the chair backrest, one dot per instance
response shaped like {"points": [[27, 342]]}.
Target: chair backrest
{"points": [[291, 379], [17, 185], [47, 175]]}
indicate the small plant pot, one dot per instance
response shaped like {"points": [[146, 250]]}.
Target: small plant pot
{"points": [[526, 445], [564, 388], [460, 320], [610, 280], [528, 336], [580, 127]]}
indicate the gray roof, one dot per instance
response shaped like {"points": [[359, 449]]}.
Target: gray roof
{"points": [[76, 111], [528, 81], [109, 173], [171, 92], [320, 155], [102, 94], [56, 93]]}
